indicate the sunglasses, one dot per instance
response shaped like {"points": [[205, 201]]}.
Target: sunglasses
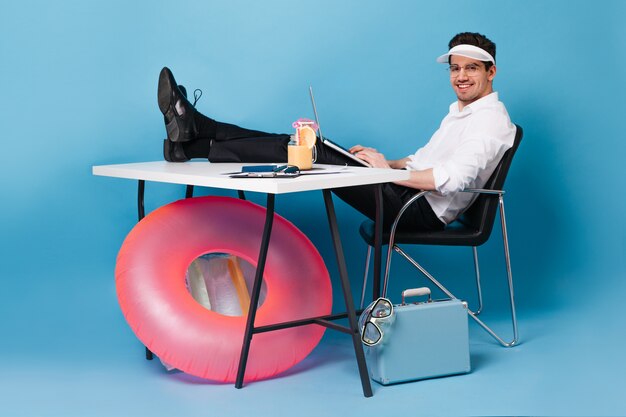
{"points": [[376, 317], [287, 170], [282, 171]]}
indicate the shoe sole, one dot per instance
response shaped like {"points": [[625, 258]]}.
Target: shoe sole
{"points": [[175, 128], [166, 80]]}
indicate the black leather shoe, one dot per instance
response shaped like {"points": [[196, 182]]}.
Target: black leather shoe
{"points": [[173, 151], [183, 90], [178, 111]]}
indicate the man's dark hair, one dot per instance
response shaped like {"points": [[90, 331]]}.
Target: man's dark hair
{"points": [[476, 39]]}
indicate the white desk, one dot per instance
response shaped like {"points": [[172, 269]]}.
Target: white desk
{"points": [[209, 174], [213, 175]]}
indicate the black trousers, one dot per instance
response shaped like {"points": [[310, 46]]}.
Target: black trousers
{"points": [[224, 142]]}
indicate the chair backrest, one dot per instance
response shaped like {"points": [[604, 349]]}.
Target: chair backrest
{"points": [[480, 216]]}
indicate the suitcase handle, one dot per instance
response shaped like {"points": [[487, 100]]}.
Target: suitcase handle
{"points": [[416, 292]]}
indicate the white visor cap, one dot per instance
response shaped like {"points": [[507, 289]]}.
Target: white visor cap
{"points": [[468, 51]]}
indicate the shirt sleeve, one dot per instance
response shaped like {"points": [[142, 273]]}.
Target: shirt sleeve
{"points": [[464, 165], [459, 158]]}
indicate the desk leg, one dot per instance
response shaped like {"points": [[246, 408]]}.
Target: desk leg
{"points": [[141, 213], [256, 290], [378, 237], [347, 295]]}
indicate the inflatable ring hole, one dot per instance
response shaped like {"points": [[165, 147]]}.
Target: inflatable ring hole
{"points": [[222, 283]]}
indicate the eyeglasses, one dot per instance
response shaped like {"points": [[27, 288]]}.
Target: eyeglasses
{"points": [[376, 317], [471, 70]]}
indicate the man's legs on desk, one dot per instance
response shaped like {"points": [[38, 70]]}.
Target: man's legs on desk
{"points": [[198, 136]]}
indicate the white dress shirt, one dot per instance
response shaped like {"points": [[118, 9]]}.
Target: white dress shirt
{"points": [[464, 152]]}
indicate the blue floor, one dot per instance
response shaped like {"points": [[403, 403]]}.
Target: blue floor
{"points": [[72, 354]]}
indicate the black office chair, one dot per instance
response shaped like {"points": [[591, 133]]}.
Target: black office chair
{"points": [[473, 229]]}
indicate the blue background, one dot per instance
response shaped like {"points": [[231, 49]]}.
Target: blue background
{"points": [[78, 84]]}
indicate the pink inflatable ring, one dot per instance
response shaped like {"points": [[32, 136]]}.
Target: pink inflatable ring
{"points": [[151, 288]]}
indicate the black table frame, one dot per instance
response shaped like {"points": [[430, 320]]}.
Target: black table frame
{"points": [[326, 321]]}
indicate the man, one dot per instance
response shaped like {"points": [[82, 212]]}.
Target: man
{"points": [[462, 153]]}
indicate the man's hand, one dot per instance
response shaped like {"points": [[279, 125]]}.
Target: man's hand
{"points": [[421, 180], [371, 156], [377, 159]]}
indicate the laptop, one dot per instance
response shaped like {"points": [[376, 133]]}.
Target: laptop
{"points": [[330, 143]]}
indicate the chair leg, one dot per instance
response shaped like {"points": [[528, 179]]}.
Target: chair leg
{"points": [[478, 287], [367, 268], [472, 314], [509, 273]]}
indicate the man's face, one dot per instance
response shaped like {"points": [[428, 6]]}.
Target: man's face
{"points": [[468, 86]]}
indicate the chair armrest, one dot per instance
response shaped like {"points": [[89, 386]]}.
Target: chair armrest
{"points": [[423, 193], [482, 191], [392, 235], [403, 209]]}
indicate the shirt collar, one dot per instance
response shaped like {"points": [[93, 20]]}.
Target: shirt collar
{"points": [[488, 100]]}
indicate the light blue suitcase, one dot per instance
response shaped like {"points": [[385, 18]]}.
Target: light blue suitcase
{"points": [[427, 339]]}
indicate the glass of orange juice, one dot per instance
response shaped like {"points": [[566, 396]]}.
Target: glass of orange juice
{"points": [[300, 150], [300, 156]]}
